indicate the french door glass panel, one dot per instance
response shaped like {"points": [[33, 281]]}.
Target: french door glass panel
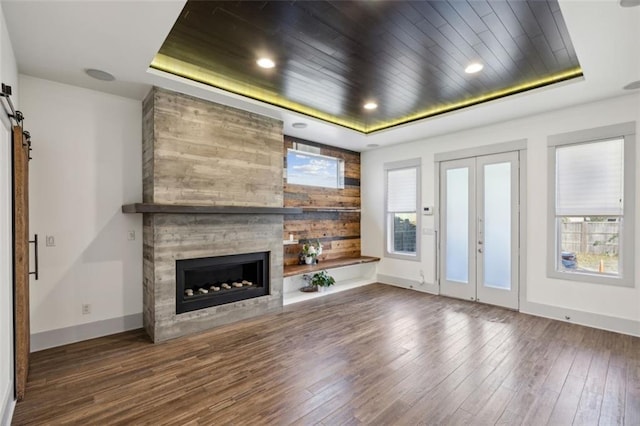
{"points": [[457, 223], [497, 226]]}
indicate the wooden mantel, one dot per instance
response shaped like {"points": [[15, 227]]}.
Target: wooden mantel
{"points": [[193, 209]]}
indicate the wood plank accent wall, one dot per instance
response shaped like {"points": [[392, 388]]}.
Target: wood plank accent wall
{"points": [[339, 231], [196, 152]]}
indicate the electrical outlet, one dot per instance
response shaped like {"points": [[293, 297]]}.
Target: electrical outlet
{"points": [[86, 309], [50, 241], [131, 235]]}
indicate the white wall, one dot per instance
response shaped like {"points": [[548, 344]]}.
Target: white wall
{"points": [[597, 305], [86, 164], [8, 75]]}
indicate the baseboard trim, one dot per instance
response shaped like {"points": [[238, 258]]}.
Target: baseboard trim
{"points": [[78, 333], [589, 319], [407, 283], [8, 405]]}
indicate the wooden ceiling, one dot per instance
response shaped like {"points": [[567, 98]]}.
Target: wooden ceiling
{"points": [[408, 57]]}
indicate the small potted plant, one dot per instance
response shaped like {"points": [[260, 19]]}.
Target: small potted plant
{"points": [[321, 280], [309, 252]]}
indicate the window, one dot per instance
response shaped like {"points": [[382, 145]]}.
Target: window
{"points": [[592, 205], [402, 189], [306, 166]]}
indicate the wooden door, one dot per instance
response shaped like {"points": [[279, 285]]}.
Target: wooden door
{"points": [[21, 258]]}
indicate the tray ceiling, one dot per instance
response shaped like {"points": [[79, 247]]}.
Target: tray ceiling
{"points": [[407, 57]]}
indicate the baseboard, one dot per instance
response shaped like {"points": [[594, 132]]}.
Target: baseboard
{"points": [[588, 319], [78, 333], [602, 322], [8, 405], [407, 283]]}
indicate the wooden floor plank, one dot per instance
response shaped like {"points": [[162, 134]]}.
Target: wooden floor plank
{"points": [[372, 355], [540, 409], [567, 402], [588, 412], [632, 404], [613, 399]]}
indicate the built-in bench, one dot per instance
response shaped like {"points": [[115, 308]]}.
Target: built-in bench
{"points": [[349, 272]]}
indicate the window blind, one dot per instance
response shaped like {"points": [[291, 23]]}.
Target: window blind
{"points": [[590, 179], [402, 190]]}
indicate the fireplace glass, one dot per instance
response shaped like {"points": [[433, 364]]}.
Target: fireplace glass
{"points": [[212, 281]]}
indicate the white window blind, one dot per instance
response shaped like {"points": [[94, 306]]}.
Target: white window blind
{"points": [[402, 190], [590, 179]]}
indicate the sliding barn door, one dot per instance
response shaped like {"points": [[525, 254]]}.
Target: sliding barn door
{"points": [[21, 258]]}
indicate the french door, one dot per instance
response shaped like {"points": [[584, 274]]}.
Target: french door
{"points": [[479, 223]]}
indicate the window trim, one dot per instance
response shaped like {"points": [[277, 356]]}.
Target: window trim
{"points": [[627, 236], [397, 165]]}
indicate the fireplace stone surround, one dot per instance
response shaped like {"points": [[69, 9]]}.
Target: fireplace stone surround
{"points": [[196, 154], [196, 236]]}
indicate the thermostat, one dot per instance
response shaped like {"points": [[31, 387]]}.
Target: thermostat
{"points": [[427, 211]]}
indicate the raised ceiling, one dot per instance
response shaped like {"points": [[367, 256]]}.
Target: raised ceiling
{"points": [[408, 57], [122, 37]]}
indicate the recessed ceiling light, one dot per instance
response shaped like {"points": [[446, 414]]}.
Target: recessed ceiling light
{"points": [[370, 105], [473, 68], [372, 145], [299, 125], [265, 63], [99, 74], [629, 3], [632, 86]]}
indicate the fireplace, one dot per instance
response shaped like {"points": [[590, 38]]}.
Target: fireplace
{"points": [[214, 199], [212, 281]]}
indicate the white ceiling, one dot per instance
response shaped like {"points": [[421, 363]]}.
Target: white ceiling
{"points": [[57, 40]]}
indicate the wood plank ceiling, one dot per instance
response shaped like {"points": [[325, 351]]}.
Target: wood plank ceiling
{"points": [[334, 56]]}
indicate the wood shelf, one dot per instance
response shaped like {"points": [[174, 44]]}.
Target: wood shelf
{"points": [[330, 209], [290, 270], [192, 209]]}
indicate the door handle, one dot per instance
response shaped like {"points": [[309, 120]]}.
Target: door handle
{"points": [[35, 246]]}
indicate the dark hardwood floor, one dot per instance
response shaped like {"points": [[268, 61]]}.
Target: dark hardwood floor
{"points": [[372, 355]]}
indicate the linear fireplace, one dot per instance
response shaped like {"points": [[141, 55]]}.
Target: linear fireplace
{"points": [[212, 281]]}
